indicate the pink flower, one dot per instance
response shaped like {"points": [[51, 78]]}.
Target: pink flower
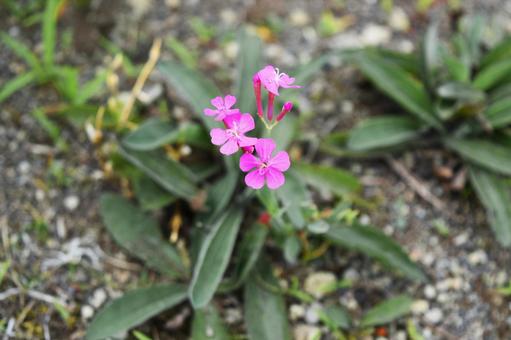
{"points": [[233, 137], [267, 168], [288, 106], [272, 79], [223, 107]]}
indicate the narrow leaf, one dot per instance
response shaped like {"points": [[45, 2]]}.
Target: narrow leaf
{"points": [[399, 85], [495, 195], [168, 173], [485, 153], [249, 62], [498, 113], [376, 244], [21, 50], [382, 132], [387, 311], [150, 195], [49, 31], [323, 177], [293, 195], [208, 325], [133, 308], [16, 84], [214, 257], [492, 75], [140, 235], [500, 52], [265, 310]]}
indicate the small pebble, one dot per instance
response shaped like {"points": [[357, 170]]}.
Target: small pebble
{"points": [[420, 306], [24, 167], [398, 19], [298, 17], [98, 298], [429, 292], [373, 35], [434, 316], [306, 332], [71, 202], [87, 312], [296, 311], [317, 283], [311, 314], [477, 257]]}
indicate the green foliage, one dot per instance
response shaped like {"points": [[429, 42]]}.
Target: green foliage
{"points": [[227, 225], [133, 308], [456, 96], [387, 311]]}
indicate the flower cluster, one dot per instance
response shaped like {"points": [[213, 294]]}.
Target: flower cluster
{"points": [[258, 157]]}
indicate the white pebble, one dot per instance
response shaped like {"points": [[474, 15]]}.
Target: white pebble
{"points": [[71, 202], [398, 19], [477, 257], [317, 283], [375, 35], [429, 292], [98, 298], [311, 314], [434, 316], [420, 306], [24, 167], [87, 312], [298, 17], [296, 311]]}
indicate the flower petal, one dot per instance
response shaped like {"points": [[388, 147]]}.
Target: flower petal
{"points": [[264, 148], [246, 141], [286, 81], [229, 101], [268, 79], [230, 119], [248, 162], [210, 112], [218, 102], [246, 123], [274, 178], [254, 179], [230, 147], [281, 161], [218, 136]]}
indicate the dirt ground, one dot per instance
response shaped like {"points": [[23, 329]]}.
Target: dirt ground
{"points": [[52, 235]]}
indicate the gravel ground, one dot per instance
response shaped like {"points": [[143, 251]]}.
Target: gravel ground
{"points": [[51, 232]]}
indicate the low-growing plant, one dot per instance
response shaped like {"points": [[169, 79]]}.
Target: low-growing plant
{"points": [[455, 95], [220, 231], [44, 70]]}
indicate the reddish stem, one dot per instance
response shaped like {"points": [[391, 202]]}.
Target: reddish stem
{"points": [[271, 99]]}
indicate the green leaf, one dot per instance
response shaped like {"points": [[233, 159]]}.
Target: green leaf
{"points": [[49, 31], [382, 132], [495, 195], [430, 56], [140, 235], [208, 325], [214, 257], [192, 86], [487, 154], [150, 195], [500, 52], [52, 129], [4, 267], [155, 133], [21, 50], [492, 75], [141, 336], [457, 69], [399, 85], [186, 56], [168, 173], [91, 88], [220, 194], [293, 195], [498, 114], [249, 250], [133, 308], [67, 82], [291, 248], [376, 244], [387, 311], [249, 62], [460, 91], [284, 133], [335, 180], [265, 310], [335, 316], [406, 61], [15, 84], [197, 91]]}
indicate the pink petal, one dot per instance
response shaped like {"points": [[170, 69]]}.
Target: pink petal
{"points": [[267, 76], [264, 148], [210, 112], [230, 119], [229, 101], [248, 162], [246, 123], [220, 116], [218, 136], [274, 178], [246, 141], [231, 111], [218, 102], [254, 179], [280, 161], [230, 147], [287, 81]]}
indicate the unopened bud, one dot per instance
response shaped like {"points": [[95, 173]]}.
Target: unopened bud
{"points": [[288, 106]]}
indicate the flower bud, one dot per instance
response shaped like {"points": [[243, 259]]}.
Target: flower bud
{"points": [[288, 106]]}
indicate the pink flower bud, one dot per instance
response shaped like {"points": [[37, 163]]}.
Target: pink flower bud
{"points": [[257, 91], [288, 106]]}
